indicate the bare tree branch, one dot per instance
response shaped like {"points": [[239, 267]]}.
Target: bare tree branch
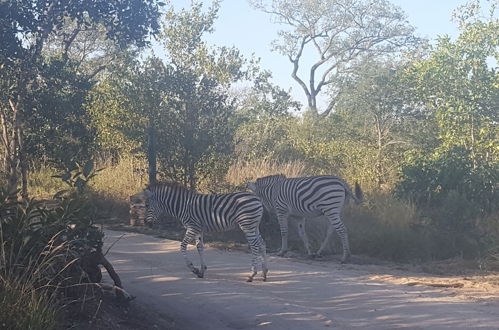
{"points": [[339, 32]]}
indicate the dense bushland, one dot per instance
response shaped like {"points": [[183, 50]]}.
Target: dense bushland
{"points": [[415, 125]]}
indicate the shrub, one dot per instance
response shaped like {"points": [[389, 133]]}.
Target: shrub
{"points": [[454, 195], [41, 250]]}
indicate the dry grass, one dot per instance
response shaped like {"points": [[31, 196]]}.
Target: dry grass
{"points": [[110, 188], [25, 307], [242, 172], [42, 185], [388, 228], [383, 227], [121, 180], [113, 186]]}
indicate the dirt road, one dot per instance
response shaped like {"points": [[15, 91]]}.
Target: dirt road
{"points": [[298, 294]]}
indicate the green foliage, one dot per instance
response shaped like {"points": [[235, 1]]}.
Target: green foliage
{"points": [[461, 87], [41, 247], [454, 196], [28, 27], [185, 102], [182, 39], [388, 228], [323, 144], [428, 180], [57, 115], [77, 177], [126, 22], [265, 138], [265, 99]]}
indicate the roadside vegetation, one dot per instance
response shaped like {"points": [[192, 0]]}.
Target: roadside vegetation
{"points": [[414, 121]]}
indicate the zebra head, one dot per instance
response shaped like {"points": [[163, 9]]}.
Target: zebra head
{"points": [[153, 207], [265, 189]]}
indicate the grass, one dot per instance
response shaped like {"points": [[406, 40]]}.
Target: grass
{"points": [[27, 282], [242, 172], [109, 191], [25, 307], [121, 180], [42, 185], [388, 228], [111, 188]]}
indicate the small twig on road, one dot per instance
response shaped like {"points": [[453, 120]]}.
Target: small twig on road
{"points": [[116, 241]]}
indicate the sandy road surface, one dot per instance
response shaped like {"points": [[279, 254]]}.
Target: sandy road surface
{"points": [[298, 295]]}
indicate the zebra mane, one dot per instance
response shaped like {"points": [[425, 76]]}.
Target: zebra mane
{"points": [[170, 184], [270, 178]]}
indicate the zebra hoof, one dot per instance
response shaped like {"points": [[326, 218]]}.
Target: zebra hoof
{"points": [[281, 253], [345, 260], [250, 279], [198, 273]]}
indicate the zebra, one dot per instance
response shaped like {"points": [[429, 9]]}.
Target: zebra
{"points": [[305, 197], [201, 213]]}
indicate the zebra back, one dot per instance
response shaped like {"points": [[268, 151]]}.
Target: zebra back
{"points": [[302, 193], [212, 212]]}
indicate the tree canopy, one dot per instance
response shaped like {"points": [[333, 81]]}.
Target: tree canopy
{"points": [[339, 33]]}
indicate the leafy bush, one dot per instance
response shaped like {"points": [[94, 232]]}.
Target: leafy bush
{"points": [[428, 180], [41, 252], [453, 194]]}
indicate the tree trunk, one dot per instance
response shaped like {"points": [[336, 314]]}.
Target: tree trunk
{"points": [[379, 160], [23, 164], [189, 166], [18, 155], [151, 152], [10, 141]]}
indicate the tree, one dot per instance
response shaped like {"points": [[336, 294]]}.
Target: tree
{"points": [[460, 85], [128, 108], [199, 97], [55, 116], [28, 25], [339, 32], [265, 99], [375, 105], [455, 182], [184, 99]]}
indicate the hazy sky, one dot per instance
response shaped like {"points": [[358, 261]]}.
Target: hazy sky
{"points": [[252, 31]]}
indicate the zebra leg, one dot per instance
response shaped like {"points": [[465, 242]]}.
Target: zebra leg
{"points": [[330, 230], [263, 254], [254, 244], [342, 233], [200, 248], [283, 224], [303, 235], [190, 234]]}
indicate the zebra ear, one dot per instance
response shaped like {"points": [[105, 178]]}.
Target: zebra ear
{"points": [[148, 193], [251, 186]]}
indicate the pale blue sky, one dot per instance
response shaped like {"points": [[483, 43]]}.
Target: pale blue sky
{"points": [[252, 31]]}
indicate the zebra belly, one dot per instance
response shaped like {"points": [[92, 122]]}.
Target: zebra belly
{"points": [[217, 224], [210, 229], [303, 214]]}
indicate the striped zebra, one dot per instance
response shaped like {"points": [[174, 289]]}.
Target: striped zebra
{"points": [[200, 213], [307, 197]]}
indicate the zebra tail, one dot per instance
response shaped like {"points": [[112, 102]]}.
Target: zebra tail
{"points": [[359, 195]]}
